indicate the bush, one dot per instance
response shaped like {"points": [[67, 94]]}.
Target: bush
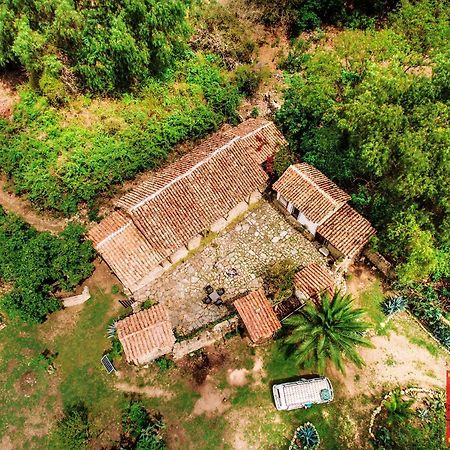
{"points": [[279, 279], [73, 431], [140, 430], [164, 364], [219, 30], [38, 264], [248, 78]]}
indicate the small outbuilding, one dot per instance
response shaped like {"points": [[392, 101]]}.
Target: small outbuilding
{"points": [[321, 207], [146, 335], [313, 280], [258, 316]]}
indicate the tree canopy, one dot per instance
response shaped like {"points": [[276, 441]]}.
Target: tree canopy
{"points": [[331, 332], [102, 46], [373, 114], [37, 264]]}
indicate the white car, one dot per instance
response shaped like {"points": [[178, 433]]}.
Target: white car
{"points": [[302, 393]]}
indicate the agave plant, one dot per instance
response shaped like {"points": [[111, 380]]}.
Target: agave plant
{"points": [[393, 305], [307, 436], [111, 331]]}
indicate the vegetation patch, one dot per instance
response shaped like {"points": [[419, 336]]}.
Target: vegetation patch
{"points": [[38, 264]]}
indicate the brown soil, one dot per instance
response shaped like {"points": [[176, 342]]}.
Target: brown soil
{"points": [[26, 384], [237, 377], [213, 401], [393, 361], [8, 92], [147, 391], [361, 277], [22, 208]]}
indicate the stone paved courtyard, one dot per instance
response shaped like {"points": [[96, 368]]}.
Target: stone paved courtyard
{"points": [[235, 260]]}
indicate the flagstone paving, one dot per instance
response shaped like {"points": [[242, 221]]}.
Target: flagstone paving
{"points": [[236, 261]]}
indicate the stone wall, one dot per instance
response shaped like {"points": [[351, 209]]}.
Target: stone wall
{"points": [[77, 299], [379, 261], [205, 338]]}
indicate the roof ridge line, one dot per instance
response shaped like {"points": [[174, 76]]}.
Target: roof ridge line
{"points": [[328, 196], [185, 174], [114, 234]]}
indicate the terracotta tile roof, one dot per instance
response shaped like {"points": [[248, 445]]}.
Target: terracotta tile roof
{"points": [[258, 316], [311, 192], [125, 249], [347, 231], [313, 280], [146, 335], [184, 199]]}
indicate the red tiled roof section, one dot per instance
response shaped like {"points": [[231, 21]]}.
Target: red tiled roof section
{"points": [[260, 135], [311, 192], [258, 316], [259, 138], [347, 231], [313, 280], [189, 206], [146, 335], [124, 248]]}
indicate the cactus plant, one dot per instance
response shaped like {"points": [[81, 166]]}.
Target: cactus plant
{"points": [[307, 437], [111, 330], [393, 305]]}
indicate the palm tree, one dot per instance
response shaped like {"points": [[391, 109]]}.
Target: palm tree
{"points": [[329, 332], [398, 410]]}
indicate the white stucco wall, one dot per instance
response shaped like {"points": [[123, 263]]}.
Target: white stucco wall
{"points": [[311, 226]]}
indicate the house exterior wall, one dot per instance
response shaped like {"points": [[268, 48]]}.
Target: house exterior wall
{"points": [[302, 219], [311, 226]]}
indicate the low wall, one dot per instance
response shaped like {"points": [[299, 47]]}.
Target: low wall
{"points": [[379, 261], [77, 299], [204, 339]]}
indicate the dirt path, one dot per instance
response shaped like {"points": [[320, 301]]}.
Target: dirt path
{"points": [[22, 208], [393, 361]]}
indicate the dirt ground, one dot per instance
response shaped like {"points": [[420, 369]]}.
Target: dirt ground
{"points": [[23, 209]]}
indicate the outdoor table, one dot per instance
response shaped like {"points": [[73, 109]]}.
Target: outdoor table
{"points": [[214, 296]]}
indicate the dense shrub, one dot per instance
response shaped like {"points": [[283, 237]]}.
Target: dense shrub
{"points": [[279, 279], [61, 157], [248, 78], [414, 425], [372, 113], [301, 15], [141, 431], [219, 30], [37, 264], [104, 47], [424, 303], [73, 431]]}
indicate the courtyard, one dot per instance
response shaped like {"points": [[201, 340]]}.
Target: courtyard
{"points": [[235, 260]]}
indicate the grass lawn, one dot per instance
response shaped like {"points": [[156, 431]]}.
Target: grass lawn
{"points": [[32, 399], [201, 412]]}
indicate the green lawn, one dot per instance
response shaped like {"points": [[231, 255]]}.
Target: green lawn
{"points": [[29, 394], [78, 340]]}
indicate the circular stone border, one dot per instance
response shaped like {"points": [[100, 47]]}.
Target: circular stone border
{"points": [[407, 391]]}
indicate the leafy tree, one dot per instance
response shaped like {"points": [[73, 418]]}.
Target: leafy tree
{"points": [[73, 431], [331, 332], [39, 263], [107, 46], [372, 113]]}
